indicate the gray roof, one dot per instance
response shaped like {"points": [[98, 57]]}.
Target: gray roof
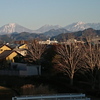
{"points": [[6, 53]]}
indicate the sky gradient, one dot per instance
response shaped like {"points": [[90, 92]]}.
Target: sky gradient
{"points": [[35, 13]]}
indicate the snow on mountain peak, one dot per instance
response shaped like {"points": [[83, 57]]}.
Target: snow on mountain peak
{"points": [[13, 27], [11, 24], [79, 23], [76, 26], [9, 28]]}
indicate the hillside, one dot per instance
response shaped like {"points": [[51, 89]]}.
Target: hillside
{"points": [[76, 34], [21, 36], [58, 34]]}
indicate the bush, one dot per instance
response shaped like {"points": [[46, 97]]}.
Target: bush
{"points": [[27, 89], [30, 89]]}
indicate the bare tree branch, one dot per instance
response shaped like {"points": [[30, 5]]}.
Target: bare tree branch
{"points": [[35, 51], [70, 56]]}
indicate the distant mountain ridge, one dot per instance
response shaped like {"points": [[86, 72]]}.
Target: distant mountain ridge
{"points": [[77, 34], [27, 36], [13, 27], [78, 26], [47, 27], [54, 32]]}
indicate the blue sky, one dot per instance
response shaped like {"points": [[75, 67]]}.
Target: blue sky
{"points": [[35, 13]]}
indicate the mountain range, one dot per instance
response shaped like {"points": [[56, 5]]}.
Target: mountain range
{"points": [[14, 32], [10, 38], [78, 26], [77, 35], [59, 37], [13, 27]]}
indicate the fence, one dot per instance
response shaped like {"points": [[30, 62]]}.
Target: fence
{"points": [[53, 97]]}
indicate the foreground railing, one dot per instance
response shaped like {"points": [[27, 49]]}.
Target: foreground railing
{"points": [[53, 97]]}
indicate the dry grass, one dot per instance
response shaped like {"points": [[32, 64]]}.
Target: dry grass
{"points": [[32, 90], [4, 90], [5, 93]]}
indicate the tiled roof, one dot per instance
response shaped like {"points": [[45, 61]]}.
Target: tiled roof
{"points": [[1, 45], [6, 53]]}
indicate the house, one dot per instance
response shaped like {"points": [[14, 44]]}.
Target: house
{"points": [[23, 46], [8, 65], [4, 47], [22, 49], [8, 55]]}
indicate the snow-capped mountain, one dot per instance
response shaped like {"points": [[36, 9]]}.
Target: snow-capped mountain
{"points": [[76, 26], [79, 26], [13, 27], [46, 28]]}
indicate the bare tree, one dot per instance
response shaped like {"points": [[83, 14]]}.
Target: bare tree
{"points": [[35, 51], [98, 64], [92, 57], [90, 62], [68, 59]]}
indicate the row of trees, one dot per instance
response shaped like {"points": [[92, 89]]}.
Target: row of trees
{"points": [[72, 58]]}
